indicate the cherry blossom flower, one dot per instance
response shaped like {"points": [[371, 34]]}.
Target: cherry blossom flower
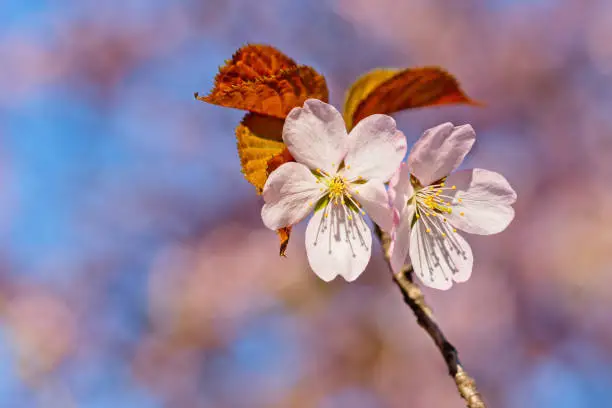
{"points": [[430, 206], [338, 176]]}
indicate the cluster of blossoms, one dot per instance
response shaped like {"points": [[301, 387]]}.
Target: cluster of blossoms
{"points": [[340, 177]]}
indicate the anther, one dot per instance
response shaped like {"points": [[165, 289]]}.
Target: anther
{"points": [[454, 187], [462, 214], [428, 230]]}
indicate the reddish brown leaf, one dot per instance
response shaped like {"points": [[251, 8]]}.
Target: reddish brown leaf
{"points": [[278, 159], [272, 95], [251, 62], [283, 236], [390, 90]]}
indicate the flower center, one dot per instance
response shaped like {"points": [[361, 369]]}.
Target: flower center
{"points": [[339, 192], [433, 203], [434, 199], [337, 188]]}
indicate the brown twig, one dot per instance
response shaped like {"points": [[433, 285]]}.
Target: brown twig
{"points": [[413, 297]]}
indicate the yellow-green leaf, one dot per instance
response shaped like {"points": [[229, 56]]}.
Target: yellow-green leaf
{"points": [[259, 139]]}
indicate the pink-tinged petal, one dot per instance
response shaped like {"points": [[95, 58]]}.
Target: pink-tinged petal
{"points": [[400, 188], [401, 239], [439, 261], [336, 245], [484, 198], [289, 194], [440, 151], [375, 202], [375, 149], [316, 135]]}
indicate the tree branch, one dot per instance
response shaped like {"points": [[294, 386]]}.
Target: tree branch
{"points": [[413, 297]]}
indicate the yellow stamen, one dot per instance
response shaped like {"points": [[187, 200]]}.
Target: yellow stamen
{"points": [[337, 188], [434, 203]]}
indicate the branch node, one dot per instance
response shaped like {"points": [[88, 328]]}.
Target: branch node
{"points": [[467, 389]]}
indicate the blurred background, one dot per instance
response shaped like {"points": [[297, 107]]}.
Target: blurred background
{"points": [[135, 270]]}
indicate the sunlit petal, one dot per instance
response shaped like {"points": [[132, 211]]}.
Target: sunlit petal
{"points": [[439, 151], [375, 149], [316, 135], [438, 260], [336, 245], [481, 202], [289, 194]]}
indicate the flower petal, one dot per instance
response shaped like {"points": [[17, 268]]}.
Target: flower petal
{"points": [[375, 149], [439, 261], [440, 151], [375, 201], [289, 194], [486, 199], [400, 188], [316, 135], [336, 245], [400, 243]]}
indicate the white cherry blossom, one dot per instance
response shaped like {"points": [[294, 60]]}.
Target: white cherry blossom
{"points": [[338, 176], [431, 203]]}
